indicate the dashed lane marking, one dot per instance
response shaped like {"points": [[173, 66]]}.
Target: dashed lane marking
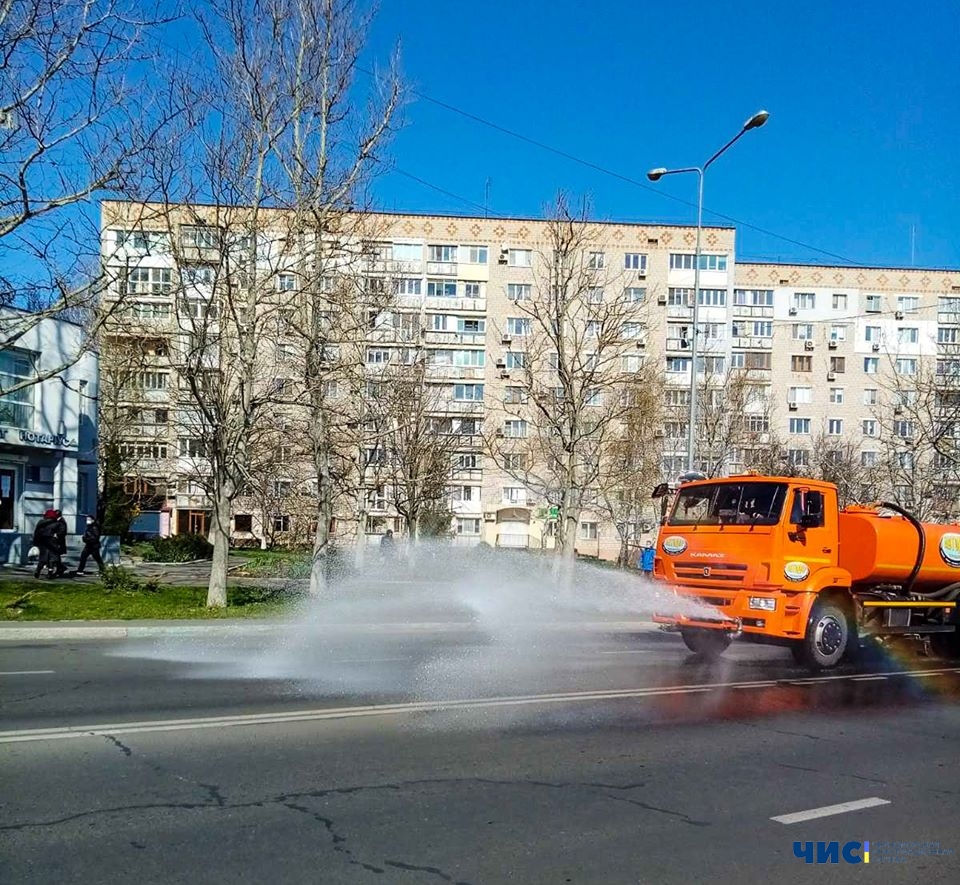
{"points": [[828, 810]]}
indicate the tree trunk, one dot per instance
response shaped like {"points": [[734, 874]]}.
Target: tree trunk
{"points": [[321, 539], [360, 545], [220, 532]]}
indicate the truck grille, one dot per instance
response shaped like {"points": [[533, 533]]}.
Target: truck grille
{"points": [[720, 573]]}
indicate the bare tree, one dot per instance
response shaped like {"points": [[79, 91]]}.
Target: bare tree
{"points": [[579, 340], [273, 156], [75, 121]]}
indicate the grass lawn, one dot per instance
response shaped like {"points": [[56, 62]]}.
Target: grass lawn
{"points": [[44, 600]]}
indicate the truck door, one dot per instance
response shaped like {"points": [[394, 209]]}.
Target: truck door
{"points": [[812, 530]]}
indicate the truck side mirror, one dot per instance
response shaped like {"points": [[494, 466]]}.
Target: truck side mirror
{"points": [[660, 490]]}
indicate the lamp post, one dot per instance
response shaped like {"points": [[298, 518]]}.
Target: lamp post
{"points": [[755, 122]]}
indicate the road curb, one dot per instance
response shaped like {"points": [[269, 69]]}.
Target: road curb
{"points": [[18, 632]]}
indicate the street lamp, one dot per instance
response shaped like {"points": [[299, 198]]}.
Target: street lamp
{"points": [[755, 122]]}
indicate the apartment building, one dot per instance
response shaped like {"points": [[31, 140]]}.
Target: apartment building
{"points": [[820, 351]]}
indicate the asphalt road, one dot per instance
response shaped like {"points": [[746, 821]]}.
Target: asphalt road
{"points": [[424, 758]]}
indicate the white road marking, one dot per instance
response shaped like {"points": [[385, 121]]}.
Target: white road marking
{"points": [[827, 810], [326, 713], [868, 678], [633, 651], [25, 672]]}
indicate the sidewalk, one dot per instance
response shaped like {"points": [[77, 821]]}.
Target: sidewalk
{"points": [[239, 627]]}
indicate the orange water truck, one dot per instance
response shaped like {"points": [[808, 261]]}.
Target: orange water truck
{"points": [[774, 560]]}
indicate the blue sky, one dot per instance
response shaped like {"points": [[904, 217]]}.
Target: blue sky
{"points": [[859, 150]]}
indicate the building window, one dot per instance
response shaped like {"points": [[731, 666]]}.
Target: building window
{"points": [[873, 304], [908, 303], [444, 254], [801, 363], [908, 335], [872, 334], [798, 457], [520, 257], [466, 494], [906, 366], [243, 522], [870, 427], [594, 295], [948, 335], [635, 261], [589, 531], [468, 392], [634, 294], [753, 297], [836, 396], [515, 395], [839, 302], [149, 281], [903, 429], [154, 380], [804, 300], [596, 260], [799, 425], [802, 332], [377, 356], [519, 326], [16, 367], [838, 333], [473, 290], [632, 363], [286, 282], [476, 254], [515, 359], [678, 364], [685, 261], [800, 395], [712, 298], [441, 288], [281, 523], [868, 459], [838, 364], [515, 428], [631, 330], [870, 396], [468, 525], [835, 426], [513, 461], [409, 286], [871, 365], [514, 495], [199, 237], [518, 291]]}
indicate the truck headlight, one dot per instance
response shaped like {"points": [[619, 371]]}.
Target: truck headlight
{"points": [[763, 603]]}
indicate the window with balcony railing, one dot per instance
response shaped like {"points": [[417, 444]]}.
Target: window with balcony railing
{"points": [[17, 367]]}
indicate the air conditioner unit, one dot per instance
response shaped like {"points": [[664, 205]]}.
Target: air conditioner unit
{"points": [[792, 407], [500, 432], [500, 364], [792, 311], [641, 345], [642, 275], [831, 376], [504, 374], [898, 315], [832, 345], [504, 256], [506, 339], [661, 299], [876, 348], [808, 345]]}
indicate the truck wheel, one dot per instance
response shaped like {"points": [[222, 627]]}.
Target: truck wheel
{"points": [[828, 633], [709, 644], [946, 645]]}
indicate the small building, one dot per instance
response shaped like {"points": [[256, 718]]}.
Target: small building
{"points": [[48, 429]]}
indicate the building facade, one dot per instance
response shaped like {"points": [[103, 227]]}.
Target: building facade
{"points": [[800, 368], [48, 429]]}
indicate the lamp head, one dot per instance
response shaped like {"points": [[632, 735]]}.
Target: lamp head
{"points": [[656, 174], [757, 120]]}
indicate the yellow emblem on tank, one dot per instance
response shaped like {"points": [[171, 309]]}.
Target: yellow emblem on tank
{"points": [[796, 571], [950, 549]]}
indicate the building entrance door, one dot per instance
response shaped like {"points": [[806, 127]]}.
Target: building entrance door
{"points": [[193, 522], [8, 499]]}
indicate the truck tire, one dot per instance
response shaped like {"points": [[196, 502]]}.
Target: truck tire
{"points": [[946, 645], [709, 644], [828, 634]]}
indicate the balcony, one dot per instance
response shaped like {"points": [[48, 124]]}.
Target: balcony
{"points": [[442, 268], [679, 312], [753, 343], [393, 267], [460, 407], [438, 337], [434, 302], [750, 310], [468, 373]]}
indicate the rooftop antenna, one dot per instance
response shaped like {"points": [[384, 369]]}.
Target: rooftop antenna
{"points": [[913, 245], [486, 198]]}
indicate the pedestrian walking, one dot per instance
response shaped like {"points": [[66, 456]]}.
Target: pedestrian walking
{"points": [[387, 545], [91, 546], [47, 543], [61, 543], [647, 555]]}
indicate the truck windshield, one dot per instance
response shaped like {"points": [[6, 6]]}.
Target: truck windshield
{"points": [[738, 503]]}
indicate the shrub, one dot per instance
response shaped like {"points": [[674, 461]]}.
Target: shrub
{"points": [[179, 548], [117, 579]]}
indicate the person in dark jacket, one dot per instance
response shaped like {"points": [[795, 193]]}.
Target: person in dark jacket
{"points": [[61, 542], [91, 546], [46, 541]]}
